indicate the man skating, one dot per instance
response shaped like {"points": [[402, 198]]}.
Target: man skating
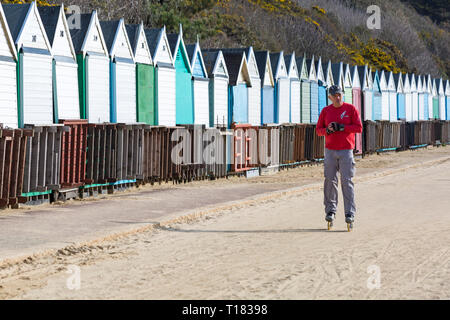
{"points": [[339, 122]]}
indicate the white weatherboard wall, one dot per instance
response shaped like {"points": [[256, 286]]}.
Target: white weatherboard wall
{"points": [[254, 102], [8, 94], [36, 68], [8, 79], [408, 106], [283, 100], [126, 92], [166, 96], [201, 102], [37, 89], [295, 101], [98, 88], [97, 75], [66, 70], [125, 77], [67, 90], [368, 103], [220, 89], [415, 106], [254, 92]]}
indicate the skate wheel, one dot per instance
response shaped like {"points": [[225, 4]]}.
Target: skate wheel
{"points": [[349, 227], [330, 225]]}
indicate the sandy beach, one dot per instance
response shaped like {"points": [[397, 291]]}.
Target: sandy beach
{"points": [[270, 245]]}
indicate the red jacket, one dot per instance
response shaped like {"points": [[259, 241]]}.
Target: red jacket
{"points": [[348, 115]]}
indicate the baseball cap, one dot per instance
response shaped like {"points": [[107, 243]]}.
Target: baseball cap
{"points": [[334, 89]]}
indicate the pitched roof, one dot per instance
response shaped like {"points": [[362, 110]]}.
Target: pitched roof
{"points": [[233, 60], [300, 60], [173, 40], [78, 35], [274, 58], [261, 60], [152, 38], [210, 59], [440, 85], [50, 17], [238, 50], [336, 71], [109, 29], [397, 79], [361, 74], [15, 15], [316, 65], [133, 35], [190, 48]]}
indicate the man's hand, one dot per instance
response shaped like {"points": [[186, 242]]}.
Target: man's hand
{"points": [[330, 128], [334, 127]]}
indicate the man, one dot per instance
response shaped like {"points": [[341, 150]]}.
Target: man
{"points": [[339, 122]]}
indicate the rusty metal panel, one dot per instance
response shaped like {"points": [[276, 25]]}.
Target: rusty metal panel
{"points": [[73, 153]]}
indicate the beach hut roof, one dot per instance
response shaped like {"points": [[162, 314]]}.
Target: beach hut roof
{"points": [[7, 33], [320, 72], [153, 37], [17, 16], [212, 60], [263, 61], [398, 82], [337, 70], [236, 64], [50, 16], [133, 35], [194, 51]]}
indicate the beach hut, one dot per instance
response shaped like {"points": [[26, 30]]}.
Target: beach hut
{"points": [[314, 90], [293, 75], [165, 77], [216, 69], [429, 82], [441, 98], [423, 98], [184, 85], [435, 98], [408, 97], [93, 68], [329, 78], [357, 102], [400, 96], [239, 82], [267, 87], [447, 99], [377, 107], [428, 99], [282, 88], [392, 89], [200, 84], [145, 74], [356, 89], [322, 83], [254, 92], [35, 64], [66, 104], [122, 72], [305, 90], [348, 87], [414, 98], [8, 78], [366, 84], [385, 96]]}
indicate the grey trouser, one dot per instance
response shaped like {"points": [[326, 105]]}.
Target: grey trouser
{"points": [[342, 161]]}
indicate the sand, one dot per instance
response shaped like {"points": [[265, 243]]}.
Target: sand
{"points": [[275, 248]]}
